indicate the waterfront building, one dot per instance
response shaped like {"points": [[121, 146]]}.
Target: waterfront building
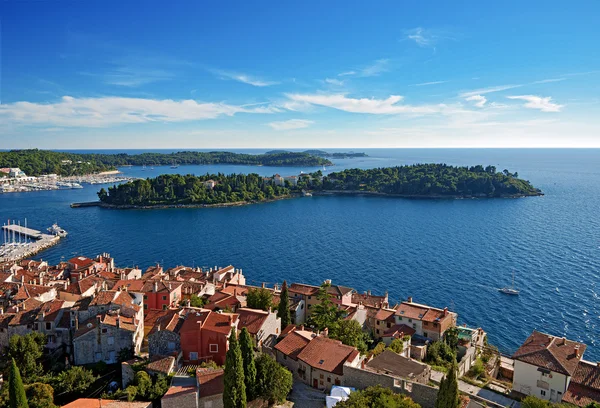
{"points": [[427, 321]]}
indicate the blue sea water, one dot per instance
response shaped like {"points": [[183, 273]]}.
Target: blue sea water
{"points": [[454, 253]]}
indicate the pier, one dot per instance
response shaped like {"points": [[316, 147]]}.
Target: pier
{"points": [[21, 242]]}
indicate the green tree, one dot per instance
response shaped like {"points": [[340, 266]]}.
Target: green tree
{"points": [[397, 346], [102, 194], [160, 387], [377, 397], [325, 314], [273, 381], [535, 402], [378, 349], [27, 351], [350, 333], [197, 301], [448, 393], [234, 394], [451, 338], [247, 350], [259, 298], [440, 354], [40, 395], [74, 380], [143, 382], [16, 391], [283, 310], [477, 370]]}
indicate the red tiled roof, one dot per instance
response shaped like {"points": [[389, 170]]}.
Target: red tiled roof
{"points": [[162, 365], [327, 354], [368, 300], [125, 323], [398, 331], [210, 381], [170, 321], [103, 298], [584, 387], [100, 403], [176, 391], [411, 311], [553, 353], [292, 345], [51, 310], [252, 319], [383, 314], [303, 289], [132, 285], [151, 316], [81, 262], [220, 322]]}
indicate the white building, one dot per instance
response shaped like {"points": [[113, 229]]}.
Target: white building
{"points": [[278, 180], [544, 366]]}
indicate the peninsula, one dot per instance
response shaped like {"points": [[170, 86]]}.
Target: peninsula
{"points": [[323, 153], [36, 162], [414, 181]]}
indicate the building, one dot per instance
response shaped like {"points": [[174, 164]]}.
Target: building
{"points": [[545, 365], [180, 396], [427, 321], [260, 324], [584, 387], [210, 387], [321, 362], [278, 180], [161, 295], [287, 350], [163, 338], [308, 293], [398, 366]]}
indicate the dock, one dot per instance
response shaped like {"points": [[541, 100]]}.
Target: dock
{"points": [[21, 242]]}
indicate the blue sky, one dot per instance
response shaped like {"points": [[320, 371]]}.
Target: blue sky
{"points": [[132, 74]]}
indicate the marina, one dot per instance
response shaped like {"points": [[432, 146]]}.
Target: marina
{"points": [[21, 242]]}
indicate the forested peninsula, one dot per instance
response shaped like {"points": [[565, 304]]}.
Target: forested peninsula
{"points": [[415, 181], [36, 162]]}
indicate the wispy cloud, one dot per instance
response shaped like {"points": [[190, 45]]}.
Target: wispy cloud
{"points": [[479, 100], [483, 91], [244, 78], [545, 81], [108, 111], [333, 81], [291, 124], [544, 104], [347, 73], [376, 68], [131, 76], [427, 38], [429, 83]]}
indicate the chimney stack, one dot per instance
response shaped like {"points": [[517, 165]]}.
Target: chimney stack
{"points": [[410, 299], [155, 286], [302, 328], [445, 311], [325, 332]]}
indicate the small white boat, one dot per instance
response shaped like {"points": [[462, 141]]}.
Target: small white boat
{"points": [[174, 165], [510, 290], [58, 231]]}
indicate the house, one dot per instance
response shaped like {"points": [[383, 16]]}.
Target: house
{"points": [[161, 366], [204, 335], [160, 295], [278, 180], [545, 365], [260, 324], [180, 396], [101, 338], [210, 387], [398, 366], [163, 338], [210, 184], [428, 322], [53, 321], [293, 180], [293, 342], [584, 387], [321, 362], [100, 403], [339, 294]]}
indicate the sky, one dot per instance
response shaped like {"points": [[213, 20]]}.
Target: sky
{"points": [[292, 74]]}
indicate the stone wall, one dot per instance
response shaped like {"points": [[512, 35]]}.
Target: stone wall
{"points": [[127, 374], [158, 343]]}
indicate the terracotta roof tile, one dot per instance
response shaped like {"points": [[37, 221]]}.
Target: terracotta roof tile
{"points": [[252, 319], [327, 354], [210, 381], [163, 365], [398, 331], [292, 345], [98, 403]]}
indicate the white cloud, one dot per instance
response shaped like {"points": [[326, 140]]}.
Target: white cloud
{"points": [[333, 81], [291, 124], [538, 102], [429, 83], [479, 100], [545, 81], [421, 37], [347, 73], [244, 78], [483, 91], [388, 106], [377, 67], [107, 111]]}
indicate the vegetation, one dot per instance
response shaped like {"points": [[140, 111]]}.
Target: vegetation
{"points": [[142, 388], [273, 381], [283, 309], [234, 394], [451, 338], [440, 354], [448, 393], [36, 162], [397, 346], [377, 397], [259, 298], [197, 301], [477, 371], [322, 153], [27, 352], [16, 390], [40, 395], [76, 380], [325, 314], [350, 333], [247, 350], [535, 402], [378, 349]]}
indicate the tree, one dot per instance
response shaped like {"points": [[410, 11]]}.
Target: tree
{"points": [[378, 349], [273, 381], [102, 194], [40, 395], [324, 314], [197, 301], [350, 333], [160, 387], [377, 397], [74, 380], [283, 310], [259, 298], [16, 391], [27, 351], [143, 382], [234, 394], [448, 393], [451, 338], [439, 353], [247, 350], [397, 346], [535, 402]]}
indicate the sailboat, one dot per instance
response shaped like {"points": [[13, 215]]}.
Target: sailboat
{"points": [[174, 165], [510, 290], [144, 167]]}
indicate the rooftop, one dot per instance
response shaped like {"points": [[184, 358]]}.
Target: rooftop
{"points": [[327, 354], [394, 364]]}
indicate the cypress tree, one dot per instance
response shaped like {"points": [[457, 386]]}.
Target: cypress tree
{"points": [[16, 390], [448, 393], [234, 394], [249, 365], [283, 312]]}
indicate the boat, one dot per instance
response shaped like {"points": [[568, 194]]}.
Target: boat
{"points": [[306, 193], [174, 165], [144, 167], [510, 290], [56, 230]]}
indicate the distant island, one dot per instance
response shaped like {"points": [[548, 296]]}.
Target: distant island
{"points": [[36, 162], [323, 153], [415, 181]]}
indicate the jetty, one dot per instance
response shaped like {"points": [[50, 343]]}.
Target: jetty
{"points": [[21, 242]]}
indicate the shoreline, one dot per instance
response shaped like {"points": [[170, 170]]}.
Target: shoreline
{"points": [[324, 193]]}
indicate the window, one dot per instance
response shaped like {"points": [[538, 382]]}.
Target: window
{"points": [[111, 340], [377, 331], [171, 345], [321, 376], [164, 297], [302, 306], [414, 326], [104, 331], [400, 318], [389, 325], [98, 356], [164, 307], [378, 322], [309, 298], [284, 357], [35, 326], [48, 325], [193, 356], [145, 306], [328, 379], [213, 348], [435, 325], [543, 392], [145, 297], [51, 339], [425, 323], [410, 320]]}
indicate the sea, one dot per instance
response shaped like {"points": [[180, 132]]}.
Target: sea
{"points": [[442, 252]]}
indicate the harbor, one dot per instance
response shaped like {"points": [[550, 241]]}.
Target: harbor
{"points": [[20, 242]]}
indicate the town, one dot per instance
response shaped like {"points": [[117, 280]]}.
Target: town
{"points": [[166, 336]]}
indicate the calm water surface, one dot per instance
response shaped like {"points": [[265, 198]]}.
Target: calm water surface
{"points": [[442, 252]]}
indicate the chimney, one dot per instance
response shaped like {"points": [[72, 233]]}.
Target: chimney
{"points": [[155, 286], [369, 292], [118, 322], [325, 332], [410, 299], [445, 311], [41, 280], [66, 285], [263, 285], [302, 328], [77, 322]]}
